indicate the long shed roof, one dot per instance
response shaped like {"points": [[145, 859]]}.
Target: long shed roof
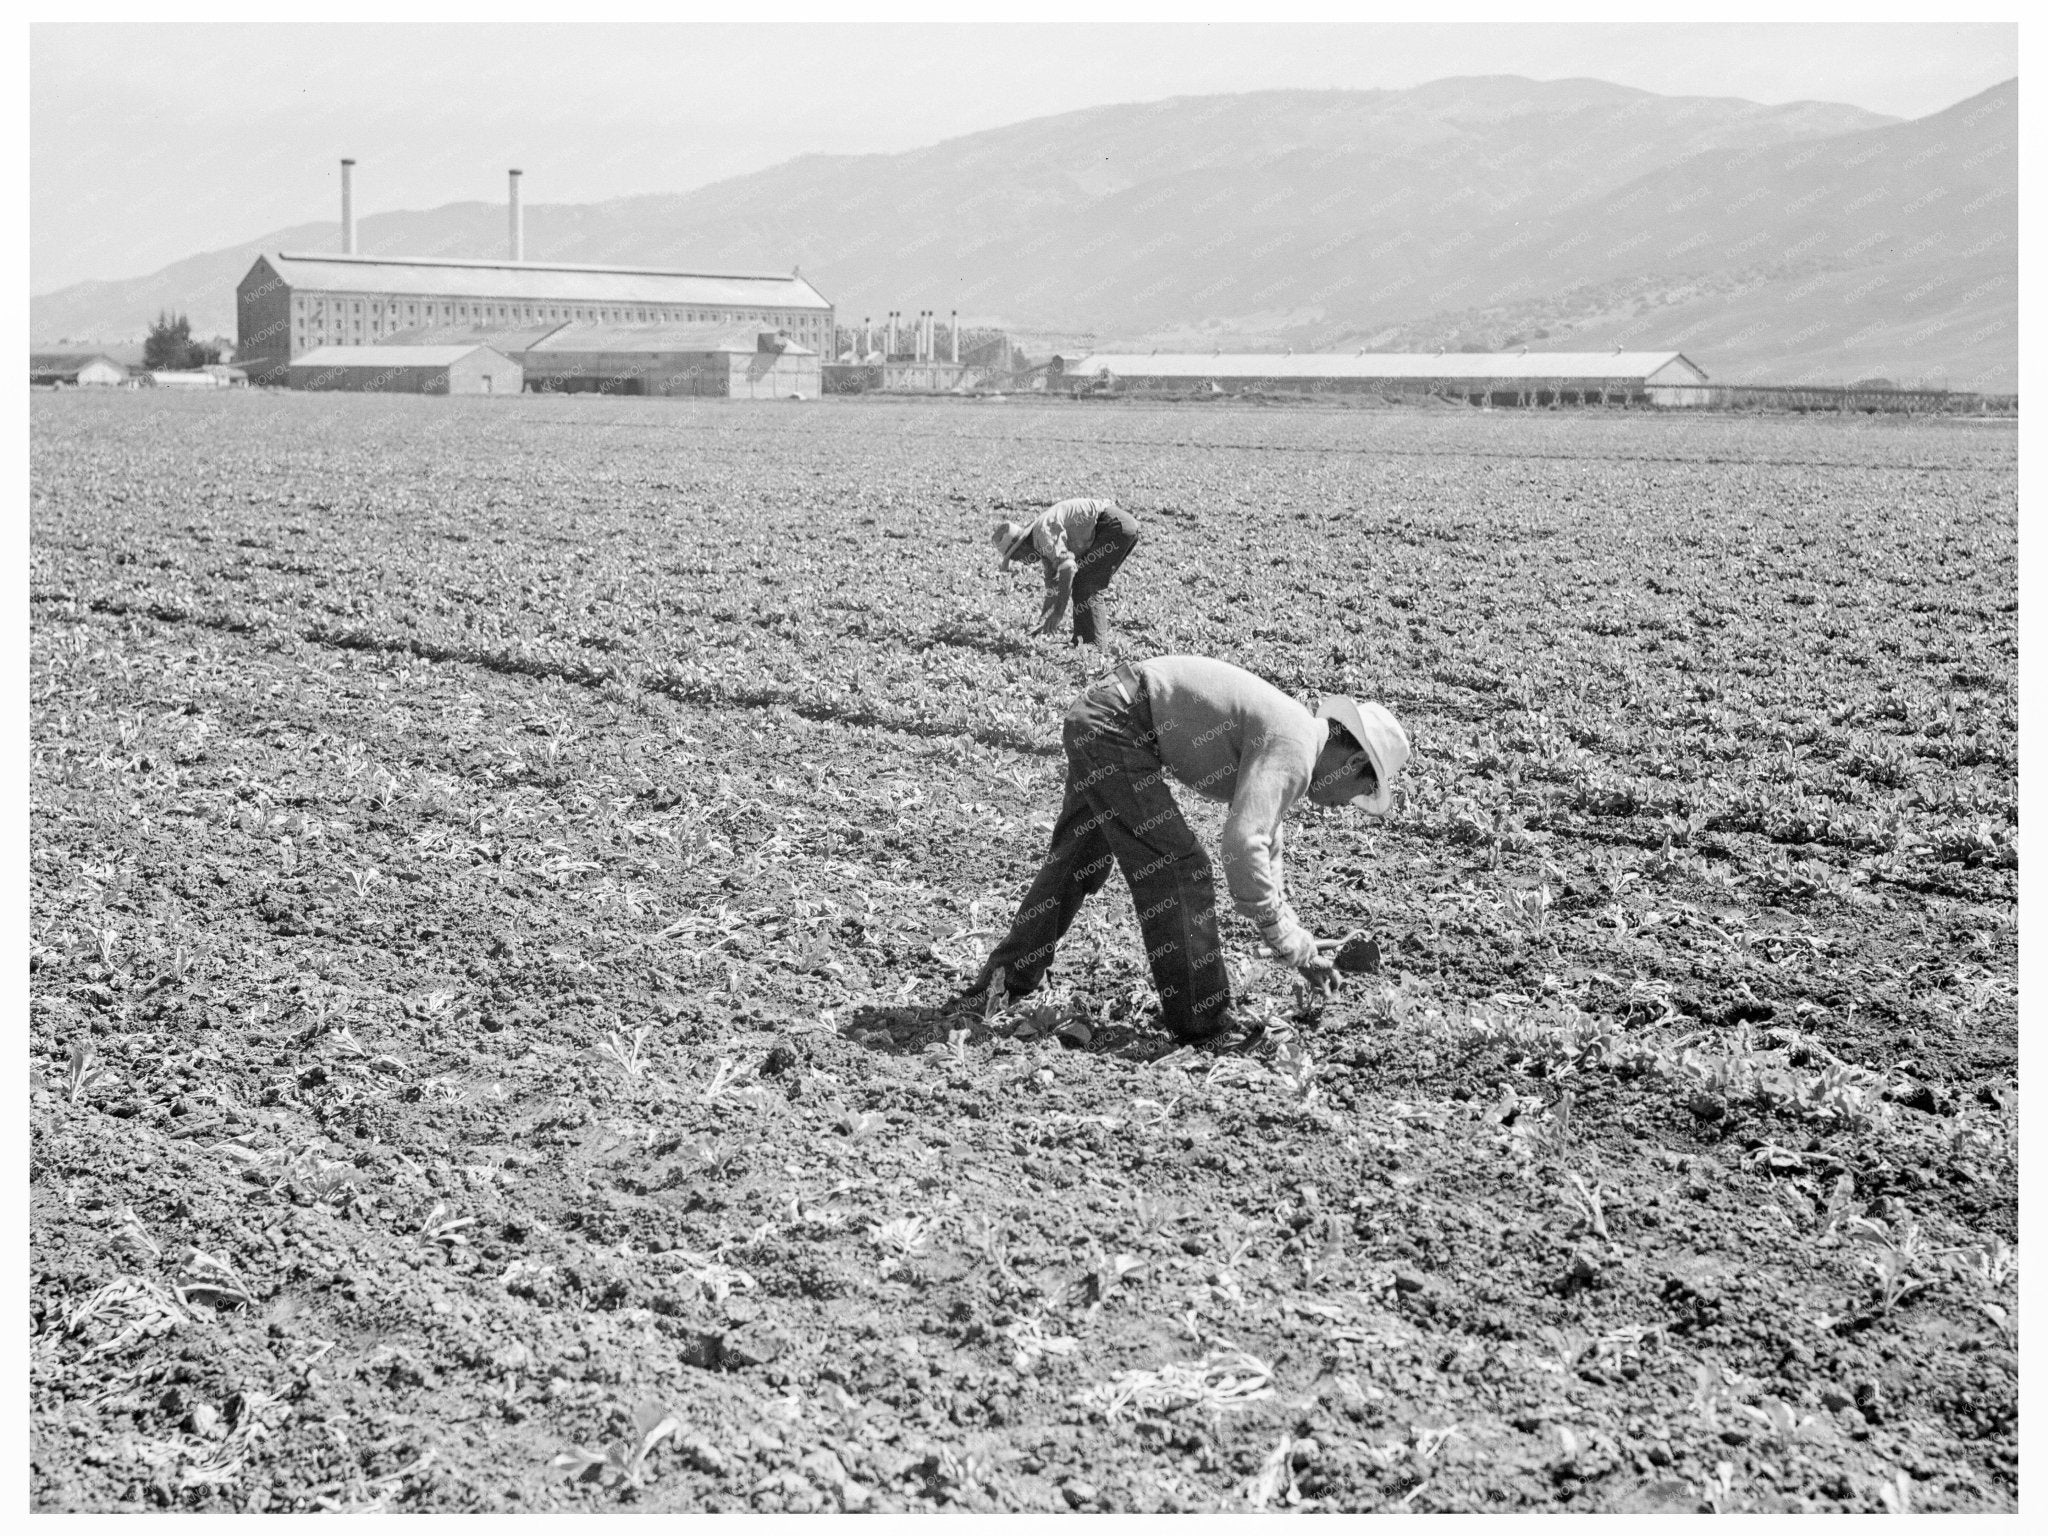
{"points": [[561, 282], [508, 339], [387, 356], [1394, 365], [593, 337], [69, 362]]}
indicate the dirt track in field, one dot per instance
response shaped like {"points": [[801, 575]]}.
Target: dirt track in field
{"points": [[493, 865]]}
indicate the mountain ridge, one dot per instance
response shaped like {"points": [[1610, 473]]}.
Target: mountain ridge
{"points": [[1298, 217]]}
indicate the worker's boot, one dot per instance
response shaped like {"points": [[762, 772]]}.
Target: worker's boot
{"points": [[1232, 1035], [974, 999]]}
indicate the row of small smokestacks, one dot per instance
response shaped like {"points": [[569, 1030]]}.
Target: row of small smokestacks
{"points": [[515, 216], [923, 334]]}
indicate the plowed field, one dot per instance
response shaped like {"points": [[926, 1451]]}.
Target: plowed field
{"points": [[495, 864]]}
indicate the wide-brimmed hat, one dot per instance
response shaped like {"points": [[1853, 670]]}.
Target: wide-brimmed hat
{"points": [[1005, 536], [1375, 729]]}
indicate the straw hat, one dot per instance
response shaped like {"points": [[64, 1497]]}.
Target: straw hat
{"points": [[1006, 536], [1376, 730]]}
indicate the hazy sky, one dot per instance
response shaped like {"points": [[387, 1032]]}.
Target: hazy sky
{"points": [[151, 143]]}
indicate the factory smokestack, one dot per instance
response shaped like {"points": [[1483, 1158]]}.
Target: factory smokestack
{"points": [[348, 207], [955, 334], [517, 218]]}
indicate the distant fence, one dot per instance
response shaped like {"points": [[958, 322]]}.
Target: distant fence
{"points": [[1852, 397]]}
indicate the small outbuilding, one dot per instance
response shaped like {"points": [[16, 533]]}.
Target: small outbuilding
{"points": [[403, 370], [182, 378], [75, 370]]}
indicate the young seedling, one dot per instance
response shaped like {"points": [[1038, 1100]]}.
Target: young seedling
{"points": [[1897, 1494], [1153, 1213], [1781, 1422], [622, 1460], [1531, 909], [1990, 1263], [1297, 1069], [1031, 1344], [1840, 1211], [1586, 1204], [627, 1054], [201, 1274], [722, 1078], [904, 1236], [1718, 1492], [1275, 1480], [442, 1226], [85, 1073], [1897, 1260]]}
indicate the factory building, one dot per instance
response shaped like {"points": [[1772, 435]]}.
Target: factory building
{"points": [[463, 369], [290, 304], [1478, 378], [903, 356]]}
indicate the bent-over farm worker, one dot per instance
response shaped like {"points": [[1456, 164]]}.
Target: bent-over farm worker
{"points": [[1228, 736], [1080, 542]]}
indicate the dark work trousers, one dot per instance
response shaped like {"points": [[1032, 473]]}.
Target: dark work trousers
{"points": [[1116, 535], [1118, 806]]}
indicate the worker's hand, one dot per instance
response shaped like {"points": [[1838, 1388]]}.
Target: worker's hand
{"points": [[1316, 983], [1320, 975]]}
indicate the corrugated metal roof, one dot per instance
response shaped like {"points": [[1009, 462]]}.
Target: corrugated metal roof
{"points": [[387, 356], [510, 340], [67, 362], [1388, 365], [543, 282], [590, 337]]}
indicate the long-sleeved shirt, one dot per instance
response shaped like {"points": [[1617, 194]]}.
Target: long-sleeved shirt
{"points": [[1230, 736], [1060, 535], [1065, 531]]}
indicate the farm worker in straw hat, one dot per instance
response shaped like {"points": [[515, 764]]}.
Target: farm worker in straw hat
{"points": [[1080, 542], [1228, 736]]}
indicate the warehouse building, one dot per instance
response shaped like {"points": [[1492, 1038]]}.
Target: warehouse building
{"points": [[704, 360], [75, 370], [1478, 378], [463, 369], [673, 360]]}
